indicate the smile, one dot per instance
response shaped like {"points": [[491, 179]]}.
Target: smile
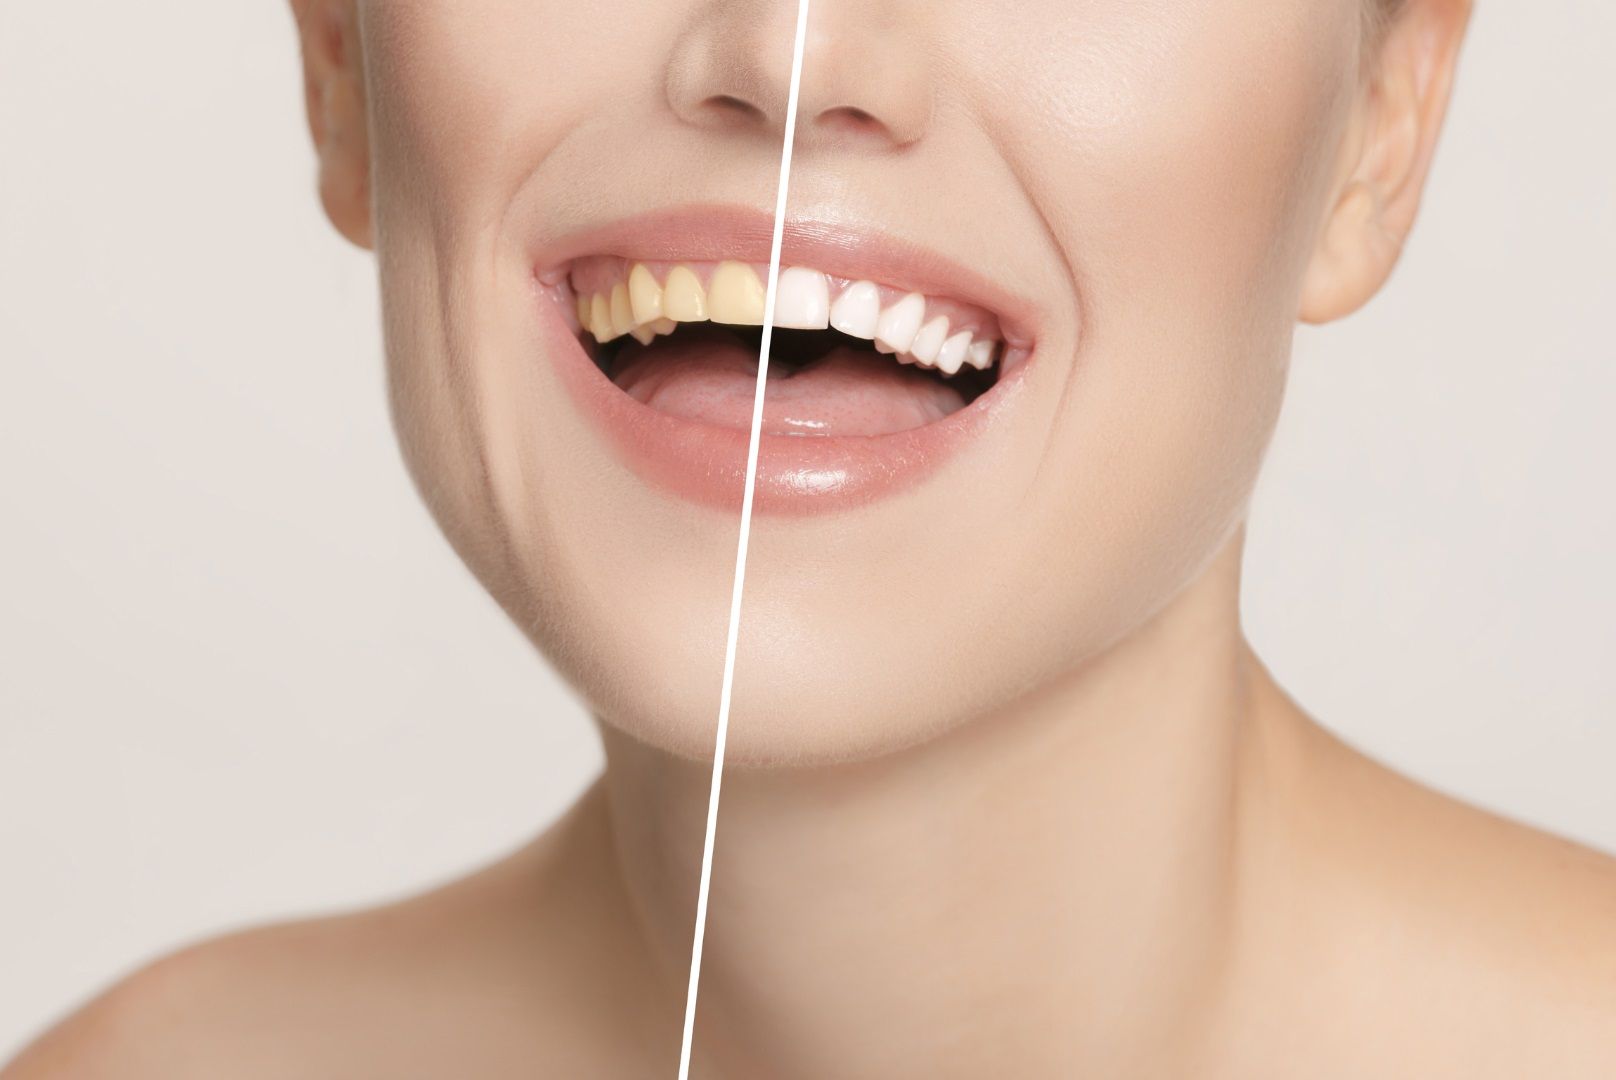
{"points": [[881, 367], [849, 357]]}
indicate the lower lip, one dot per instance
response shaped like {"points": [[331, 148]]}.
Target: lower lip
{"points": [[796, 474]]}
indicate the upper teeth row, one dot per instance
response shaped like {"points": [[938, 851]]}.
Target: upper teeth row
{"points": [[644, 308]]}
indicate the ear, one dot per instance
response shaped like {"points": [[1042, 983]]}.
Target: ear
{"points": [[1387, 157], [334, 86]]}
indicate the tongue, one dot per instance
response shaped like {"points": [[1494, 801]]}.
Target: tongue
{"points": [[711, 378]]}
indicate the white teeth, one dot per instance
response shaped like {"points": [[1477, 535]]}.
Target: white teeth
{"points": [[900, 323], [857, 310], [929, 341], [802, 299], [981, 354], [952, 354]]}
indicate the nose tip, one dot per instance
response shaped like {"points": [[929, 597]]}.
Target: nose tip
{"points": [[863, 85], [865, 82], [731, 68]]}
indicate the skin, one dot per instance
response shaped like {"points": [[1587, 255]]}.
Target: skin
{"points": [[1085, 833]]}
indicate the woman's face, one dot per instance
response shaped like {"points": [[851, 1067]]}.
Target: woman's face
{"points": [[1121, 196]]}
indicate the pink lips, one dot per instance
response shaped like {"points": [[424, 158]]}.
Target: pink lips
{"points": [[797, 473]]}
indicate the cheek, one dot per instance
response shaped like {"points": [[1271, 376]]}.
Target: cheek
{"points": [[453, 90], [1179, 159], [1183, 170], [465, 96], [1177, 149], [469, 97], [488, 117], [465, 99]]}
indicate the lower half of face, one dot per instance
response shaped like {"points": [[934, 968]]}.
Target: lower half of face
{"points": [[1035, 312]]}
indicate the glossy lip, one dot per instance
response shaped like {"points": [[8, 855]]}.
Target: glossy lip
{"points": [[797, 474]]}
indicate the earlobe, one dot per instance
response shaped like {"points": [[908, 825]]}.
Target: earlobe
{"points": [[1392, 141], [1353, 257], [335, 96]]}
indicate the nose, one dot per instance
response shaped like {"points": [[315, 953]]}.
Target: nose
{"points": [[866, 80]]}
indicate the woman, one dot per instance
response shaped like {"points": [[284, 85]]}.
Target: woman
{"points": [[1008, 794]]}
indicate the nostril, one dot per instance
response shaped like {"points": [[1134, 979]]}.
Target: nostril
{"points": [[850, 117], [853, 124], [728, 105]]}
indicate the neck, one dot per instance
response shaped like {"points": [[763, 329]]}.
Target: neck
{"points": [[1047, 891]]}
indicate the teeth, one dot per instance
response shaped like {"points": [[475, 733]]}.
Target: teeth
{"points": [[981, 354], [802, 300], [644, 309], [900, 323], [929, 342], [735, 295], [622, 314], [683, 298], [600, 318], [858, 310], [953, 353], [644, 295]]}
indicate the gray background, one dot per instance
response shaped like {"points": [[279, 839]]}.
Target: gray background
{"points": [[241, 675]]}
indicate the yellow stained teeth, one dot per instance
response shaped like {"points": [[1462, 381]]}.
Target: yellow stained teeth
{"points": [[600, 318], [644, 294], [643, 334], [683, 298], [622, 314], [735, 295], [584, 310]]}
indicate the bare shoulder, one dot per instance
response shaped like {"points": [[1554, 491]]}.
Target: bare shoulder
{"points": [[189, 1014], [1478, 945], [1515, 892], [308, 999], [482, 977]]}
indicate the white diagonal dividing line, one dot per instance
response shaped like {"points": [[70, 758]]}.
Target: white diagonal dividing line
{"points": [[747, 498]]}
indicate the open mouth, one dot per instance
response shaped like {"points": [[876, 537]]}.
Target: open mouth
{"points": [[850, 357], [888, 359]]}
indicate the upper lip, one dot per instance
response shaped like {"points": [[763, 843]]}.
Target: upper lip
{"points": [[745, 234]]}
